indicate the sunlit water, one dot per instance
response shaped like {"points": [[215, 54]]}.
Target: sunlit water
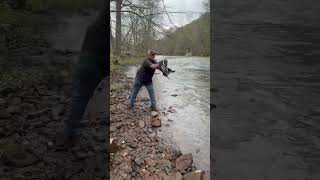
{"points": [[190, 128]]}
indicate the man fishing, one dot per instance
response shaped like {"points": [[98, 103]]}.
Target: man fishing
{"points": [[144, 78]]}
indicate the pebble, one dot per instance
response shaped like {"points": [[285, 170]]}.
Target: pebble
{"points": [[138, 160], [141, 124], [154, 114], [172, 110]]}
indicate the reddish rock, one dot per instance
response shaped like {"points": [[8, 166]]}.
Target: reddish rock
{"points": [[177, 176], [184, 161], [150, 162], [156, 122], [196, 175]]}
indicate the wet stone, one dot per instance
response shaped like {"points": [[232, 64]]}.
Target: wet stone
{"points": [[172, 110], [154, 114]]}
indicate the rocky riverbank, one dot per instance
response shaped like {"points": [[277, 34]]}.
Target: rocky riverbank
{"points": [[34, 98], [137, 150]]}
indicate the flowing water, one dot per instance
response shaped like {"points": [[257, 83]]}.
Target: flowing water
{"points": [[188, 92], [266, 86]]}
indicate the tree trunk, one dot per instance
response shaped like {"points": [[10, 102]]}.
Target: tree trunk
{"points": [[118, 28]]}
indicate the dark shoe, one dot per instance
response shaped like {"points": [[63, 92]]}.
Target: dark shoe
{"points": [[153, 108]]}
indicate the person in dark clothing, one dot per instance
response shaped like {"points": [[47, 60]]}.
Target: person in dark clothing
{"points": [[93, 66], [144, 78]]}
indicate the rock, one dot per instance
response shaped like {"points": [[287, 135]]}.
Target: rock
{"points": [[197, 150], [150, 162], [163, 164], [170, 120], [138, 160], [177, 176], [18, 157], [50, 143], [174, 95], [166, 125], [123, 146], [131, 142], [163, 176], [127, 169], [125, 154], [119, 125], [13, 109], [141, 124], [172, 110], [183, 162], [150, 130], [196, 175], [174, 152], [147, 177], [113, 145], [154, 114], [112, 129], [155, 122]]}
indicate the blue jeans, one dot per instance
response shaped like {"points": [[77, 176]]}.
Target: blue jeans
{"points": [[91, 69], [137, 85]]}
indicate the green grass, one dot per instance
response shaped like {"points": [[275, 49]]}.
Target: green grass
{"points": [[117, 62]]}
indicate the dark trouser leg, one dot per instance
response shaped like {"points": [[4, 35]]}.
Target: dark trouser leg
{"points": [[152, 95], [90, 71], [135, 90]]}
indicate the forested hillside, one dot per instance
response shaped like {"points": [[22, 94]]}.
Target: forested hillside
{"points": [[193, 37]]}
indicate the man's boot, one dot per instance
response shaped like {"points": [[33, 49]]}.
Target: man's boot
{"points": [[153, 108]]}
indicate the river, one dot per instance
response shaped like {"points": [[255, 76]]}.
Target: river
{"points": [[266, 86], [187, 90]]}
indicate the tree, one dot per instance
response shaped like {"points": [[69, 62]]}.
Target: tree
{"points": [[118, 27]]}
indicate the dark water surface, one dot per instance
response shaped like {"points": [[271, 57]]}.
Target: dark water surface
{"points": [[190, 125], [266, 85]]}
